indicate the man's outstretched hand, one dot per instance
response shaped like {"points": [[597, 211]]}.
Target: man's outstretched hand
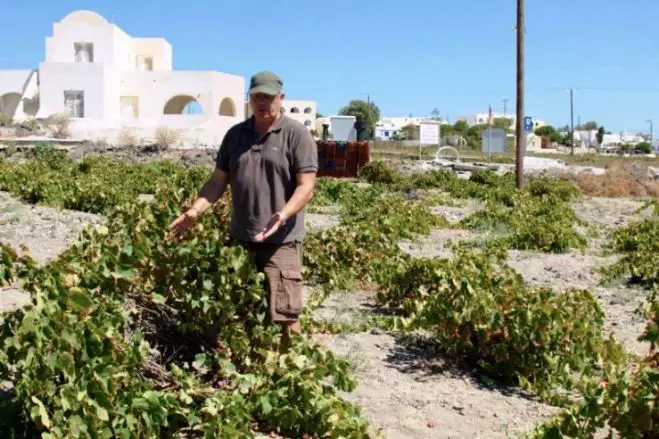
{"points": [[273, 225], [181, 224]]}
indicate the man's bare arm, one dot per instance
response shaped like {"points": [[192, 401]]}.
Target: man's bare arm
{"points": [[211, 191], [306, 182]]}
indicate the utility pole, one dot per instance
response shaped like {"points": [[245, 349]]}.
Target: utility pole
{"points": [[571, 123], [650, 122], [505, 106], [519, 122]]}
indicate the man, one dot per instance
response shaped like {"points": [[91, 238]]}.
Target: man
{"points": [[270, 161]]}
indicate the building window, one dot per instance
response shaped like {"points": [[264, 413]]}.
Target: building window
{"points": [[84, 52], [144, 63], [307, 110], [295, 110], [307, 123], [74, 101], [129, 105]]}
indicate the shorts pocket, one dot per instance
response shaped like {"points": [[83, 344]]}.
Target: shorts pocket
{"points": [[289, 297]]}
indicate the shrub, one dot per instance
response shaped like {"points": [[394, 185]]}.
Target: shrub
{"points": [[639, 244], [378, 171], [128, 138], [5, 121], [622, 400], [166, 138], [59, 122]]}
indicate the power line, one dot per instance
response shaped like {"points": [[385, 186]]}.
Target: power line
{"points": [[622, 89]]}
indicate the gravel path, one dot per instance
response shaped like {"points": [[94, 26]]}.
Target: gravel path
{"points": [[44, 231], [407, 395]]}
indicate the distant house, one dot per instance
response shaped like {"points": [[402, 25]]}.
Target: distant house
{"points": [[615, 141], [586, 139], [533, 142], [389, 128]]}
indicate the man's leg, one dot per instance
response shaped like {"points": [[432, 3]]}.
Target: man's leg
{"points": [[283, 272]]}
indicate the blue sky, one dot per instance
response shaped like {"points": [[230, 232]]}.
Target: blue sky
{"points": [[456, 56]]}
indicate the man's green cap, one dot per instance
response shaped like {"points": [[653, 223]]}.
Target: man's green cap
{"points": [[265, 82]]}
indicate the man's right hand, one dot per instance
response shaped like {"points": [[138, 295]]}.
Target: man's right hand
{"points": [[181, 224]]}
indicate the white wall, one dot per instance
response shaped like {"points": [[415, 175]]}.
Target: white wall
{"points": [[301, 117], [13, 81], [195, 131], [157, 48], [94, 79], [122, 46], [229, 86], [60, 47], [155, 89]]}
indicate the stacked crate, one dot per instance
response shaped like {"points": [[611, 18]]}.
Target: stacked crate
{"points": [[342, 159]]}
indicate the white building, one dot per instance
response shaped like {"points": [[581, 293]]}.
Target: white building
{"points": [[388, 127], [482, 118], [107, 80]]}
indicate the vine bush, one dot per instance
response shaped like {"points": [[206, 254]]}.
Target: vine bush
{"points": [[132, 334], [481, 312], [624, 399], [639, 244]]}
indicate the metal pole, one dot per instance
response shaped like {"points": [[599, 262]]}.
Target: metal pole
{"points": [[519, 132], [571, 124], [489, 143], [505, 107], [650, 122]]}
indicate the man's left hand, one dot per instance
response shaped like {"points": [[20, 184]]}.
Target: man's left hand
{"points": [[273, 225]]}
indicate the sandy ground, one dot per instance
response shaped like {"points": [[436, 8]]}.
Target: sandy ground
{"points": [[44, 231], [404, 392]]}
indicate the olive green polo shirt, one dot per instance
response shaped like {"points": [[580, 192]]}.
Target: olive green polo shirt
{"points": [[263, 175]]}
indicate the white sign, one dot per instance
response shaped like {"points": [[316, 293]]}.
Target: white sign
{"points": [[428, 133]]}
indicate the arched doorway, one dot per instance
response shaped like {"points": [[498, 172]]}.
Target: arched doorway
{"points": [[227, 108], [9, 104], [183, 104]]}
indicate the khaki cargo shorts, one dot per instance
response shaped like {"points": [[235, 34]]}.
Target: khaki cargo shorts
{"points": [[282, 266]]}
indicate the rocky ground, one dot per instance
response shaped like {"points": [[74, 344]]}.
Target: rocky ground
{"points": [[403, 391], [408, 394]]}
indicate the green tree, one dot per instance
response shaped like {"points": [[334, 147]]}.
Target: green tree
{"points": [[319, 115], [600, 135], [447, 129], [590, 125], [545, 131], [644, 147], [407, 132], [362, 111], [435, 114], [549, 132], [461, 127], [502, 123]]}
